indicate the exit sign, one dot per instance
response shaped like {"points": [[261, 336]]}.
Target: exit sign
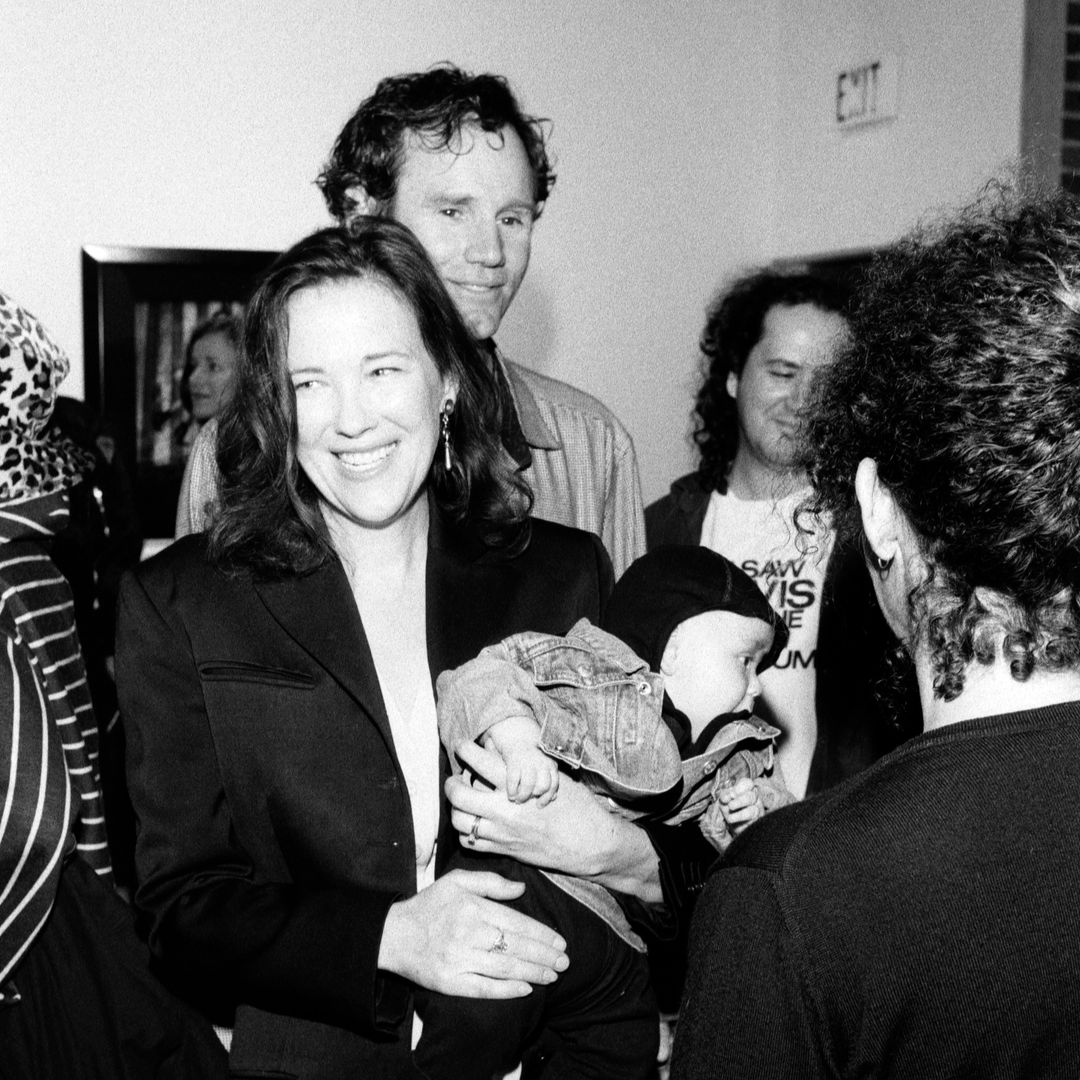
{"points": [[866, 93]]}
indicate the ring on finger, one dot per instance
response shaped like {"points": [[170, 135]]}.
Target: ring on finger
{"points": [[500, 945], [474, 832]]}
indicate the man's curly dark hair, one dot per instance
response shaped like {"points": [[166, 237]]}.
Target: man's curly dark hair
{"points": [[732, 329], [962, 382], [433, 104]]}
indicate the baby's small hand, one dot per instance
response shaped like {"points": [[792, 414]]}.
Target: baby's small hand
{"points": [[741, 804], [530, 773]]}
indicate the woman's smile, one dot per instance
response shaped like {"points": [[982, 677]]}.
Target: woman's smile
{"points": [[366, 461]]}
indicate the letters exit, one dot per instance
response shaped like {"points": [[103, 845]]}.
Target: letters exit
{"points": [[867, 93]]}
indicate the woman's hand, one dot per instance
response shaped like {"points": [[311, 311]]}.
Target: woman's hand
{"points": [[574, 834], [455, 937]]}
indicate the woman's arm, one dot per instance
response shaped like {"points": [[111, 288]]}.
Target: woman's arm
{"points": [[662, 868], [574, 834], [37, 805]]}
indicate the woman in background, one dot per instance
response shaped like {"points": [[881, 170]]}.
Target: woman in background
{"points": [[210, 363]]}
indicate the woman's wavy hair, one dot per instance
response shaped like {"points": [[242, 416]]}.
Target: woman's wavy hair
{"points": [[962, 382], [733, 327], [434, 104], [222, 322], [270, 520]]}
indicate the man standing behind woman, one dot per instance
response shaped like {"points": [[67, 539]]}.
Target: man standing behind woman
{"points": [[453, 157], [764, 341]]}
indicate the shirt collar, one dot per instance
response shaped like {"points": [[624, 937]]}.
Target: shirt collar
{"points": [[537, 433]]}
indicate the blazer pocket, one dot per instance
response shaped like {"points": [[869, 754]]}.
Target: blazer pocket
{"points": [[239, 671]]}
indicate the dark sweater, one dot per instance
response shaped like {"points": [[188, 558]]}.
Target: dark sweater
{"points": [[920, 920]]}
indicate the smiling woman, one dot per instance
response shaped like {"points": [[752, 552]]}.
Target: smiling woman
{"points": [[276, 678], [368, 402]]}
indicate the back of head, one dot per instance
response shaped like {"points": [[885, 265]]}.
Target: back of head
{"points": [[433, 104], [270, 518], [963, 384], [671, 584], [733, 326]]}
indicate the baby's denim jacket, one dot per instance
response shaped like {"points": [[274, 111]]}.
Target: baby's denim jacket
{"points": [[600, 711]]}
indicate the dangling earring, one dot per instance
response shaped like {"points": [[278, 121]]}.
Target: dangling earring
{"points": [[444, 420]]}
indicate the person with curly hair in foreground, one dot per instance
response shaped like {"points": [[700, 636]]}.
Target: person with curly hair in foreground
{"points": [[920, 919]]}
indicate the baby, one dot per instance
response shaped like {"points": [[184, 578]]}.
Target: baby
{"points": [[653, 712]]}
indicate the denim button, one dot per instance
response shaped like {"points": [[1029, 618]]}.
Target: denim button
{"points": [[709, 767], [644, 689]]}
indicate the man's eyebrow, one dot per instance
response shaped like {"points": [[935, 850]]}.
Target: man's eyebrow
{"points": [[444, 198]]}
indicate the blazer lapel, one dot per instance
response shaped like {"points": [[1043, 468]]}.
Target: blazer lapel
{"points": [[464, 601], [317, 611]]}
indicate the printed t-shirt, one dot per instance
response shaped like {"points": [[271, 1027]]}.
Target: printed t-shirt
{"points": [[760, 537]]}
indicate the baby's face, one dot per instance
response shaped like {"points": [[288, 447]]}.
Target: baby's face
{"points": [[710, 665]]}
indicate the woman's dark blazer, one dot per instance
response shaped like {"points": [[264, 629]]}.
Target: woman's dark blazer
{"points": [[274, 828]]}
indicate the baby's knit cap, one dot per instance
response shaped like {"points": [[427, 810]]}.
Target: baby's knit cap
{"points": [[672, 584]]}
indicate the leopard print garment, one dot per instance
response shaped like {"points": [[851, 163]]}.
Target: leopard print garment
{"points": [[33, 462]]}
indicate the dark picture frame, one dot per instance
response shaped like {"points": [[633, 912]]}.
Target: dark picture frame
{"points": [[139, 308]]}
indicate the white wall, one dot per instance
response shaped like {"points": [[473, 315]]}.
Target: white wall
{"points": [[687, 135], [958, 122]]}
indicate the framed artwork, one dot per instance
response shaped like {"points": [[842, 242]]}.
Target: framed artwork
{"points": [[141, 307]]}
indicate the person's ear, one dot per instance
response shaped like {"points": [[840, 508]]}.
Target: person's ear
{"points": [[669, 662], [450, 388], [363, 204], [732, 385], [881, 517]]}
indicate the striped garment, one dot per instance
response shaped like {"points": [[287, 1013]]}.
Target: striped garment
{"points": [[50, 785]]}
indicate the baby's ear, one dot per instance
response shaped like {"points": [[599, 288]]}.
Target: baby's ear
{"points": [[669, 662]]}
